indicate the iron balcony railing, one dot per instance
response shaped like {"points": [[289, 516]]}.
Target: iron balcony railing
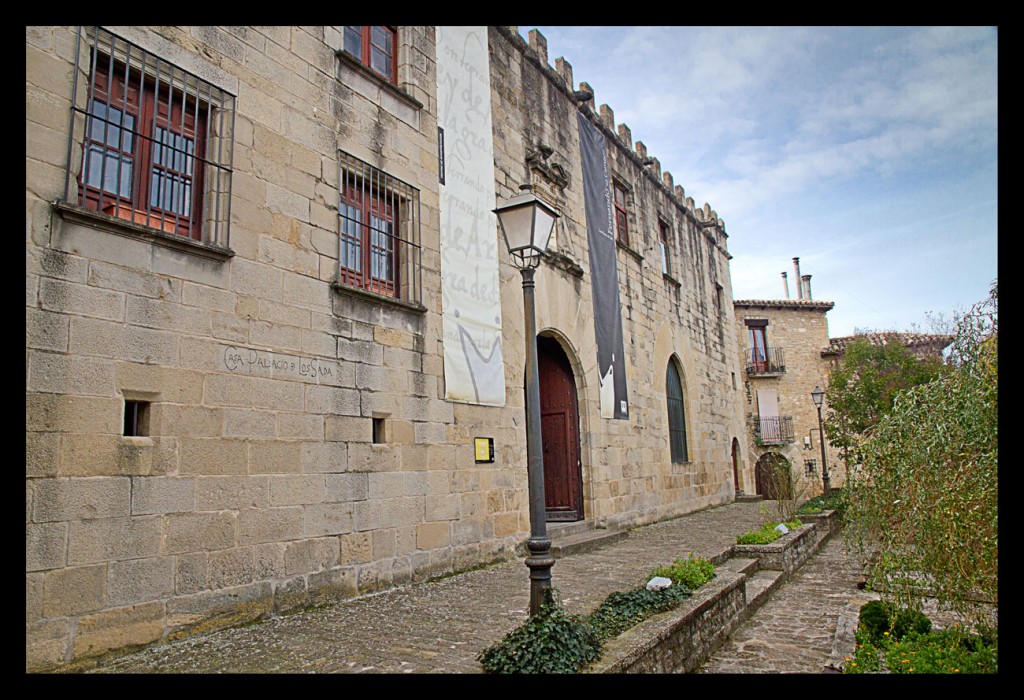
{"points": [[770, 361], [772, 430]]}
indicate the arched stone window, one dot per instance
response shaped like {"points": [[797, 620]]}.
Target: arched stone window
{"points": [[676, 414]]}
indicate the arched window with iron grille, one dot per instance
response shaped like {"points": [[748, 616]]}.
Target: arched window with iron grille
{"points": [[676, 414]]}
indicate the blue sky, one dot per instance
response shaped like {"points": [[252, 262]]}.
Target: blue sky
{"points": [[868, 152]]}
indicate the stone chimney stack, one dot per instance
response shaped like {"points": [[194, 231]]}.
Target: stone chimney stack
{"points": [[799, 289], [785, 285], [805, 281]]}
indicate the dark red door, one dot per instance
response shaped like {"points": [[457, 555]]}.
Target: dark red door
{"points": [[563, 479]]}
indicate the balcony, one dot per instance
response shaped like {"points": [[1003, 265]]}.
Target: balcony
{"points": [[760, 363], [772, 430]]}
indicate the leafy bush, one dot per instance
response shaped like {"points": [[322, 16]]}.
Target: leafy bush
{"points": [[836, 501], [548, 642], [766, 534], [952, 651], [622, 610], [692, 572], [881, 623], [945, 651], [553, 642]]}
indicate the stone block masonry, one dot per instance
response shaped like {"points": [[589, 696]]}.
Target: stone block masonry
{"points": [[292, 440]]}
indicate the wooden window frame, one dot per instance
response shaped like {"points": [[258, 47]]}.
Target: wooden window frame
{"points": [[362, 254], [369, 47], [150, 113], [620, 197]]}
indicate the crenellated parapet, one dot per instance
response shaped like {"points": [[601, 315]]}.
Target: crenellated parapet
{"points": [[561, 77]]}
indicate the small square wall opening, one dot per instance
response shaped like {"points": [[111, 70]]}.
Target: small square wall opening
{"points": [[379, 434], [136, 418]]}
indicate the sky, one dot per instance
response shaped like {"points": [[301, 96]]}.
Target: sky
{"points": [[868, 152]]}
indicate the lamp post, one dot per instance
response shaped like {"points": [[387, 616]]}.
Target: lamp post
{"points": [[526, 223], [818, 397]]}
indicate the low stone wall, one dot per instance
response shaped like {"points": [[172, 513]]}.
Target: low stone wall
{"points": [[826, 520], [786, 554], [681, 639]]}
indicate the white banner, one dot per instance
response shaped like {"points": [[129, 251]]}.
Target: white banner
{"points": [[474, 371]]}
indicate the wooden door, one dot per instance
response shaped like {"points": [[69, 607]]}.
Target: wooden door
{"points": [[563, 478]]}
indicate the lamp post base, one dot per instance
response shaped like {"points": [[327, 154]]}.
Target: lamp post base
{"points": [[540, 562]]}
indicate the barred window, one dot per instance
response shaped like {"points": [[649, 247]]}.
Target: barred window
{"points": [[155, 141], [676, 414], [378, 231]]}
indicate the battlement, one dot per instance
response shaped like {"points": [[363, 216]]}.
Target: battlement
{"points": [[561, 75]]}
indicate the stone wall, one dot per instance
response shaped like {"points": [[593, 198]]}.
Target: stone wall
{"points": [[800, 328], [299, 444]]}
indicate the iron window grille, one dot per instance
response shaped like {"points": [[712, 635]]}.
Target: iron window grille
{"points": [[676, 414], [375, 48], [378, 231], [149, 142]]}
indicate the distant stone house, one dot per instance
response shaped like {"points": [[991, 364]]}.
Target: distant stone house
{"points": [[275, 345], [782, 344]]}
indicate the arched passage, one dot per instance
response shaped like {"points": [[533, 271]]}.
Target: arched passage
{"points": [[772, 474], [560, 429]]}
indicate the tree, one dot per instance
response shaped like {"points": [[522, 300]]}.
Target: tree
{"points": [[923, 493], [864, 386]]}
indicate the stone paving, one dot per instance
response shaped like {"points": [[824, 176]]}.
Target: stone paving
{"points": [[441, 626], [795, 630]]}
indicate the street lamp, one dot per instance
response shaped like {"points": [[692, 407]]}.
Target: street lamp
{"points": [[818, 397], [526, 223]]}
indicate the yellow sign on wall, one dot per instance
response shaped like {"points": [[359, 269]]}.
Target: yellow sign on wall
{"points": [[484, 449]]}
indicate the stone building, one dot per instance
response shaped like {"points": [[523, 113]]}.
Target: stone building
{"points": [[275, 346], [785, 356]]}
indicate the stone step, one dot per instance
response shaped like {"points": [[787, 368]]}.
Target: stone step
{"points": [[760, 586], [565, 545]]}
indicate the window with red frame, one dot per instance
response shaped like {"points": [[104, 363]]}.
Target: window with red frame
{"points": [[378, 231], [368, 244], [375, 48], [621, 219], [144, 142]]}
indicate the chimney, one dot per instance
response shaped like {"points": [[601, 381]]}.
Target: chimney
{"points": [[805, 281], [785, 284], [799, 289]]}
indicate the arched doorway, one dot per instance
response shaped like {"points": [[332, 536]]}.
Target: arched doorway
{"points": [[772, 475], [560, 428]]}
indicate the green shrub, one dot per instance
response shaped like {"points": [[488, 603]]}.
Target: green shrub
{"points": [[692, 572], [882, 624], [622, 610], [767, 534], [836, 501], [548, 642], [553, 642], [945, 651], [952, 651]]}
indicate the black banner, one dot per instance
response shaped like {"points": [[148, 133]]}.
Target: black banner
{"points": [[604, 273]]}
